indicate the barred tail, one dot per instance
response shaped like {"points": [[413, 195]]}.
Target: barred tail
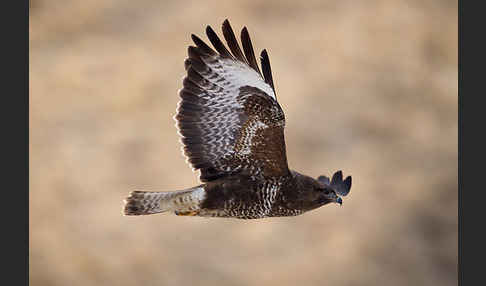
{"points": [[145, 203]]}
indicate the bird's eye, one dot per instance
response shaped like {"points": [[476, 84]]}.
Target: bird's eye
{"points": [[326, 191]]}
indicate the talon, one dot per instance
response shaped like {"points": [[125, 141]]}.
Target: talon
{"points": [[187, 213]]}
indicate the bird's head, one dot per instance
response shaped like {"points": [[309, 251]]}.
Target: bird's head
{"points": [[316, 193]]}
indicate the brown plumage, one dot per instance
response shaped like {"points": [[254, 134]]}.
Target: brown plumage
{"points": [[232, 129]]}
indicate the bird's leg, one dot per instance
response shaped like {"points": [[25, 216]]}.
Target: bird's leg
{"points": [[186, 213]]}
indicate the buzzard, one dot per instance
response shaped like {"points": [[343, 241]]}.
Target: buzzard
{"points": [[232, 129]]}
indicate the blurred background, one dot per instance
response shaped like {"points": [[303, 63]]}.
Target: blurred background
{"points": [[369, 87]]}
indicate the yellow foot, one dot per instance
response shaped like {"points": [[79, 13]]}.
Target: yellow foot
{"points": [[187, 213]]}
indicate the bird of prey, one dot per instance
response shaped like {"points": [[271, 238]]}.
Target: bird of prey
{"points": [[232, 130]]}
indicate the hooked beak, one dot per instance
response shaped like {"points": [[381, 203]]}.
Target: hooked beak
{"points": [[339, 201]]}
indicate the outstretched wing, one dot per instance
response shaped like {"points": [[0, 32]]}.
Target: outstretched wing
{"points": [[336, 183], [229, 117]]}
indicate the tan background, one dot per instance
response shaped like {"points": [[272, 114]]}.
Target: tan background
{"points": [[369, 87]]}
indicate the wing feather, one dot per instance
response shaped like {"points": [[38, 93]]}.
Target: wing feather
{"points": [[202, 45], [229, 35], [248, 48], [218, 45], [228, 116], [267, 70]]}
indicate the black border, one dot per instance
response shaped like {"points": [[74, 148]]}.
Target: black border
{"points": [[472, 212], [15, 135]]}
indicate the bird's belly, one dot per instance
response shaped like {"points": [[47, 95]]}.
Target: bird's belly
{"points": [[239, 209], [243, 200], [247, 210]]}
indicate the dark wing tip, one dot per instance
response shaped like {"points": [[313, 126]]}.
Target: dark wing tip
{"points": [[337, 177], [267, 70], [218, 45], [202, 45], [248, 49], [226, 23], [230, 38], [347, 183], [246, 56], [341, 187]]}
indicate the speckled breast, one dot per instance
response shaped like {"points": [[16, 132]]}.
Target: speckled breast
{"points": [[255, 202]]}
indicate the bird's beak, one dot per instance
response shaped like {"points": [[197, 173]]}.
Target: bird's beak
{"points": [[339, 201]]}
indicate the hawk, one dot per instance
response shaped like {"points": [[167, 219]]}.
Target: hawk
{"points": [[232, 130]]}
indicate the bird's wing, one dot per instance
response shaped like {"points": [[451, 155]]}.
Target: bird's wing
{"points": [[336, 183], [229, 117]]}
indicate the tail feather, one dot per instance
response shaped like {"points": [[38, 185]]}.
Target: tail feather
{"points": [[145, 203]]}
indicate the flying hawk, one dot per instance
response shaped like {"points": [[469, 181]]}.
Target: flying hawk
{"points": [[232, 129]]}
